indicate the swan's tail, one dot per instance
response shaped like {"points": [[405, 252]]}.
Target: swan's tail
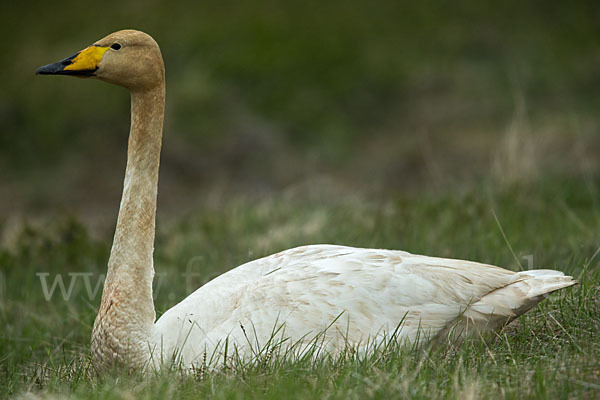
{"points": [[499, 307], [538, 283]]}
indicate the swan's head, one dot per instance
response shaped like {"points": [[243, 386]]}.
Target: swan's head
{"points": [[127, 58]]}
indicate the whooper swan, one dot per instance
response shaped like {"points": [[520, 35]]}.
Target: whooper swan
{"points": [[342, 296]]}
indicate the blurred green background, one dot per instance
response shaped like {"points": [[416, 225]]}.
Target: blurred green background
{"points": [[262, 96]]}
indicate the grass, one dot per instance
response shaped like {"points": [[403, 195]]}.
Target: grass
{"points": [[551, 353]]}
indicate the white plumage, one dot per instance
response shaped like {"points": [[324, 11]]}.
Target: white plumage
{"points": [[348, 296]]}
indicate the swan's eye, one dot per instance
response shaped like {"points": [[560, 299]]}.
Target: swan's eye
{"points": [[115, 46]]}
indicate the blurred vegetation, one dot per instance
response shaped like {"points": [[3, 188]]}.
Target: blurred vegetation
{"points": [[266, 94]]}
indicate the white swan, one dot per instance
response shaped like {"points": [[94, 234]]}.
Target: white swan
{"points": [[342, 295]]}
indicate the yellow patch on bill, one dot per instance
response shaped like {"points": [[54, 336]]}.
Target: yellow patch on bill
{"points": [[87, 59]]}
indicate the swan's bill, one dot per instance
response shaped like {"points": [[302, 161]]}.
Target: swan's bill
{"points": [[83, 63]]}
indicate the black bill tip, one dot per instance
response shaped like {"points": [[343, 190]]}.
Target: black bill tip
{"points": [[50, 69]]}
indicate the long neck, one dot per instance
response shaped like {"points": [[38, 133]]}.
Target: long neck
{"points": [[133, 244], [126, 314]]}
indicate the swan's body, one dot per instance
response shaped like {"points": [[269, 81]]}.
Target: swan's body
{"points": [[341, 296], [344, 295]]}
